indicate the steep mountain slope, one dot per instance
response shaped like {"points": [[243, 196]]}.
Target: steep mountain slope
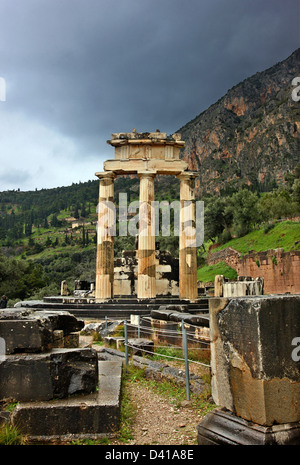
{"points": [[249, 136]]}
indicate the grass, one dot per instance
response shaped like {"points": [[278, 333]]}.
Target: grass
{"points": [[11, 436], [207, 273], [202, 356], [285, 235], [128, 409]]}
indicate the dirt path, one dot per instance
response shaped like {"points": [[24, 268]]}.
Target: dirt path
{"points": [[158, 421]]}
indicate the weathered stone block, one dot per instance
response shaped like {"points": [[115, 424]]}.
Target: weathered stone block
{"points": [[222, 427], [71, 340], [219, 282], [23, 336], [45, 376], [163, 286], [137, 346], [253, 372], [86, 416], [243, 287], [29, 330], [116, 342], [58, 338]]}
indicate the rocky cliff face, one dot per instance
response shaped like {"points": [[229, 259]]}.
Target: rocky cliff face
{"points": [[249, 136]]}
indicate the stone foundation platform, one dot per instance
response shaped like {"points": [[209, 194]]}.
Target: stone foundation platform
{"points": [[89, 416], [222, 427]]}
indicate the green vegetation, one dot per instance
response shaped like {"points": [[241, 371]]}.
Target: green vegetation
{"points": [[11, 436], [238, 214], [285, 235], [196, 355], [20, 279], [207, 273], [41, 244]]}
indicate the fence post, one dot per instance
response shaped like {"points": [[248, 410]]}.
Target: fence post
{"points": [[106, 325], [186, 361], [126, 342], [139, 324]]}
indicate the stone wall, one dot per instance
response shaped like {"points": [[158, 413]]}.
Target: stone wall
{"points": [[280, 270]]}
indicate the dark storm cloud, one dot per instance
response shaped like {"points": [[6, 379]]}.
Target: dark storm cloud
{"points": [[87, 68]]}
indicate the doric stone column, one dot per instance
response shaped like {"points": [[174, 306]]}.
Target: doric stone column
{"points": [[146, 286], [187, 239], [105, 238]]}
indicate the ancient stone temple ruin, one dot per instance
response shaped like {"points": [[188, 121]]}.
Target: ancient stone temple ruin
{"points": [[146, 155]]}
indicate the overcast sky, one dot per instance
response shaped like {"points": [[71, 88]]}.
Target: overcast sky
{"points": [[78, 70]]}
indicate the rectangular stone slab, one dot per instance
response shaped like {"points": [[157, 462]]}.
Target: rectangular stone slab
{"points": [[253, 372], [221, 427], [23, 335], [77, 417], [30, 330], [44, 376]]}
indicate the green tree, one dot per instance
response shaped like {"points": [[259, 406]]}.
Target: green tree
{"points": [[19, 278], [244, 208], [296, 191], [278, 204], [218, 216]]}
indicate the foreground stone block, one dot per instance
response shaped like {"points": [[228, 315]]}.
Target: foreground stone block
{"points": [[223, 427], [77, 417], [44, 376], [30, 330], [24, 335], [254, 374]]}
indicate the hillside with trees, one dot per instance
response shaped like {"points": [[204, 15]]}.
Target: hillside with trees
{"points": [[50, 235]]}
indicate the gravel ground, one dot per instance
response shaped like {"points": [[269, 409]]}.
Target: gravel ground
{"points": [[158, 421]]}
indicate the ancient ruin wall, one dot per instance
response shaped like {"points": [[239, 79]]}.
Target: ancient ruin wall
{"points": [[280, 270]]}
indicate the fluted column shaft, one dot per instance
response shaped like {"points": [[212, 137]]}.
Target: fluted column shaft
{"points": [[105, 238], [146, 286], [187, 239]]}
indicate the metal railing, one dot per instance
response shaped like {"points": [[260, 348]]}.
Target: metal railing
{"points": [[171, 333]]}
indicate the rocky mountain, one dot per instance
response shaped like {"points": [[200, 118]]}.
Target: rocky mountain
{"points": [[249, 136]]}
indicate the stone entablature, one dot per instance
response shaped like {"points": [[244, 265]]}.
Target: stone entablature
{"points": [[153, 151]]}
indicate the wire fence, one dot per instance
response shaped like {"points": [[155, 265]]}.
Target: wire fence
{"points": [[184, 335]]}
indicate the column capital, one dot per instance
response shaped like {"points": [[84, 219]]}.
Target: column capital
{"points": [[147, 173], [106, 174], [185, 175]]}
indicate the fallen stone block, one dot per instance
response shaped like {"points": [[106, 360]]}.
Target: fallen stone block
{"points": [[178, 316], [222, 427], [58, 339], [28, 330], [197, 320], [24, 336], [89, 416], [177, 308], [103, 328], [137, 346], [71, 340], [44, 376], [161, 314], [115, 342]]}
